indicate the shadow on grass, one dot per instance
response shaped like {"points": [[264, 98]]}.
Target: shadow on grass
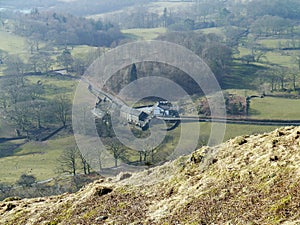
{"points": [[254, 112], [9, 148], [242, 76]]}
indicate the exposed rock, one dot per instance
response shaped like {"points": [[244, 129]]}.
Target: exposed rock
{"points": [[241, 140], [10, 206], [11, 199], [124, 175], [102, 191], [101, 218], [274, 158]]}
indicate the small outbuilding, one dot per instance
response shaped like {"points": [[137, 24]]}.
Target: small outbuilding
{"points": [[162, 108]]}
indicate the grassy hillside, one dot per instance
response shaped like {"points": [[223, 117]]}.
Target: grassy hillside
{"points": [[241, 76], [246, 180]]}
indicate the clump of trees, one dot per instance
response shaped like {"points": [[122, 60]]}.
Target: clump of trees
{"points": [[235, 105], [210, 47], [65, 29], [71, 161], [271, 25], [277, 79], [25, 106], [288, 9]]}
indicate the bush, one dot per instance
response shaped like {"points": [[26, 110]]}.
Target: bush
{"points": [[26, 180]]}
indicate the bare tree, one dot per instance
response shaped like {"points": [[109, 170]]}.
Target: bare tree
{"points": [[281, 73], [19, 115], [15, 66], [33, 45], [62, 109], [68, 160], [85, 165], [293, 76], [117, 150], [101, 158]]}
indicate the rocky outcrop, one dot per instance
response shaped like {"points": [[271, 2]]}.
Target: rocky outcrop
{"points": [[246, 180]]}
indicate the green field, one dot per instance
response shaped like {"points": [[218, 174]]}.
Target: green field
{"points": [[12, 44], [270, 107], [35, 158], [273, 56], [55, 86], [231, 130], [281, 59], [5, 129], [275, 108], [277, 43], [82, 50], [214, 30], [144, 34]]}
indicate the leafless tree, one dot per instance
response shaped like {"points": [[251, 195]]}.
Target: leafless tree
{"points": [[117, 149], [68, 160], [85, 165], [62, 109]]}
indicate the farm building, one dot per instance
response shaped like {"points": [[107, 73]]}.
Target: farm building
{"points": [[134, 116], [164, 108]]}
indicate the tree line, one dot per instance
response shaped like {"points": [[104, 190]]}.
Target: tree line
{"points": [[65, 29]]}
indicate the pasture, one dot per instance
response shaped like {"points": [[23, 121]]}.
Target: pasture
{"points": [[12, 44], [144, 34], [54, 86], [34, 158], [275, 108]]}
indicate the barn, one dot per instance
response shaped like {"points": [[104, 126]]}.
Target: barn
{"points": [[134, 116]]}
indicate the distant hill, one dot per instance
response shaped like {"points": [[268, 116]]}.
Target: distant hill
{"points": [[246, 180], [75, 7]]}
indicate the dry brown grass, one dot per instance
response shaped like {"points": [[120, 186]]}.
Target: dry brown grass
{"points": [[246, 180]]}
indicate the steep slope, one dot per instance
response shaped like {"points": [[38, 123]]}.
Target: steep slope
{"points": [[246, 180]]}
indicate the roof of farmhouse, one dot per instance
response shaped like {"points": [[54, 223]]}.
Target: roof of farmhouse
{"points": [[131, 111]]}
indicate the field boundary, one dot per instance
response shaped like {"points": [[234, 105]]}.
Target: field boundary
{"points": [[272, 122]]}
